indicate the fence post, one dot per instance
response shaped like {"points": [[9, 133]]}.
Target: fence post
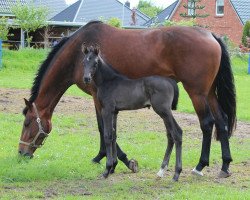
{"points": [[249, 63], [1, 54]]}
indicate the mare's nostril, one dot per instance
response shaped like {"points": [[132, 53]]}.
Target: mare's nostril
{"points": [[20, 152]]}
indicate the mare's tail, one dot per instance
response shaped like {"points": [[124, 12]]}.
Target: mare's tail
{"points": [[225, 88], [176, 95]]}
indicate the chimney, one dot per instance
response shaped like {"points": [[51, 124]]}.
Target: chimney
{"points": [[127, 3]]}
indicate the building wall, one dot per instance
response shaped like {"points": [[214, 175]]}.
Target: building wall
{"points": [[229, 24]]}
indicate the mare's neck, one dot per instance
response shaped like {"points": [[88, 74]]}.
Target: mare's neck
{"points": [[104, 73], [57, 79]]}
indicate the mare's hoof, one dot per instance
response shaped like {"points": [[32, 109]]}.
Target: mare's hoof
{"points": [[175, 179], [223, 174], [196, 172], [133, 165]]}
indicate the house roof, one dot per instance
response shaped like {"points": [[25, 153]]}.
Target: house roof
{"points": [[87, 10], [5, 6], [242, 8], [55, 6], [163, 15]]}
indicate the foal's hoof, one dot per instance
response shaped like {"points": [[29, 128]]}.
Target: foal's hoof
{"points": [[105, 175], [96, 161], [133, 165], [196, 172], [175, 179], [223, 174]]}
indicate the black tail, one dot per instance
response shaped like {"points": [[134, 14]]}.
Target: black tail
{"points": [[176, 95], [225, 88]]}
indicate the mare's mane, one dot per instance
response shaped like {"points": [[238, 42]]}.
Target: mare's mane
{"points": [[46, 64]]}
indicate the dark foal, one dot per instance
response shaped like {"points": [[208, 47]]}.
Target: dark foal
{"points": [[116, 92]]}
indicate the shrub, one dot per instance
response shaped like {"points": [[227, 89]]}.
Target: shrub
{"points": [[246, 33]]}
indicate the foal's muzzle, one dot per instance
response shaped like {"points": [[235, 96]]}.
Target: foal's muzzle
{"points": [[86, 80]]}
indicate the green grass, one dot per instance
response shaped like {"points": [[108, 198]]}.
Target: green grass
{"points": [[62, 168]]}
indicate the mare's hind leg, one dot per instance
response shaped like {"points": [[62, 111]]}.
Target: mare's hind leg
{"points": [[202, 109], [222, 134]]}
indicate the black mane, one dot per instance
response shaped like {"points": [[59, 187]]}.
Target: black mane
{"points": [[43, 68], [45, 65]]}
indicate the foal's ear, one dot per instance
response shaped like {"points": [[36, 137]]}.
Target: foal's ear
{"points": [[28, 104], [96, 50], [84, 49]]}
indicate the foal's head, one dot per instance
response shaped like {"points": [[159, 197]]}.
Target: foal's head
{"points": [[90, 62]]}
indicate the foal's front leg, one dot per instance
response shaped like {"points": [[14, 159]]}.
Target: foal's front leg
{"points": [[107, 117]]}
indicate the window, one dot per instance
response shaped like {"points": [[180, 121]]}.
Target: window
{"points": [[219, 7], [191, 10]]}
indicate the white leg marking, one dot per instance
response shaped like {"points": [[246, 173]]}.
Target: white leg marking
{"points": [[196, 172], [162, 172]]}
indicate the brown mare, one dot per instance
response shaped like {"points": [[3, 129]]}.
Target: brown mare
{"points": [[193, 56]]}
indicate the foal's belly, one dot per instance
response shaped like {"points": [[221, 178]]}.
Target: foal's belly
{"points": [[131, 97]]}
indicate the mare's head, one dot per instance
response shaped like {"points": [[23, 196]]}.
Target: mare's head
{"points": [[35, 129], [90, 62]]}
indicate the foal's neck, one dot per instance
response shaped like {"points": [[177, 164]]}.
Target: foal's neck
{"points": [[105, 73]]}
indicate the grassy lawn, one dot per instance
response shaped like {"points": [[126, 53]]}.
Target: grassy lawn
{"points": [[62, 169]]}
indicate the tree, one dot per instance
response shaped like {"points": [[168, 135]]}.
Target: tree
{"points": [[148, 8], [246, 33], [192, 8], [4, 28], [113, 21], [30, 18]]}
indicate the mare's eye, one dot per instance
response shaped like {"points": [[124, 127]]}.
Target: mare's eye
{"points": [[26, 122]]}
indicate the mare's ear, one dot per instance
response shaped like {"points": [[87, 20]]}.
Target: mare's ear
{"points": [[84, 49], [28, 104]]}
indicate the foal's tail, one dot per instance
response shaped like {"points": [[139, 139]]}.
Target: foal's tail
{"points": [[176, 95], [225, 88]]}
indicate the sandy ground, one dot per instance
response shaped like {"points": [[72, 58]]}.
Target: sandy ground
{"points": [[11, 101]]}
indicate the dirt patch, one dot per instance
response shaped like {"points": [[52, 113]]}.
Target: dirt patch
{"points": [[11, 101]]}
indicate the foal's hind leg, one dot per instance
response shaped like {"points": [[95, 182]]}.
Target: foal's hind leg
{"points": [[222, 134], [202, 109], [167, 155], [163, 110]]}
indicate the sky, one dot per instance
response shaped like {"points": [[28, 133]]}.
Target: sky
{"points": [[134, 3]]}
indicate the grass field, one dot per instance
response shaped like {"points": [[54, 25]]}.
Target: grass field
{"points": [[62, 168]]}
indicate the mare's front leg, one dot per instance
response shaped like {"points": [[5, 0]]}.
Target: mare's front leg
{"points": [[107, 117], [114, 149], [102, 151], [131, 164]]}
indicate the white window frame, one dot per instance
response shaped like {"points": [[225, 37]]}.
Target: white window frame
{"points": [[191, 11], [220, 14]]}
